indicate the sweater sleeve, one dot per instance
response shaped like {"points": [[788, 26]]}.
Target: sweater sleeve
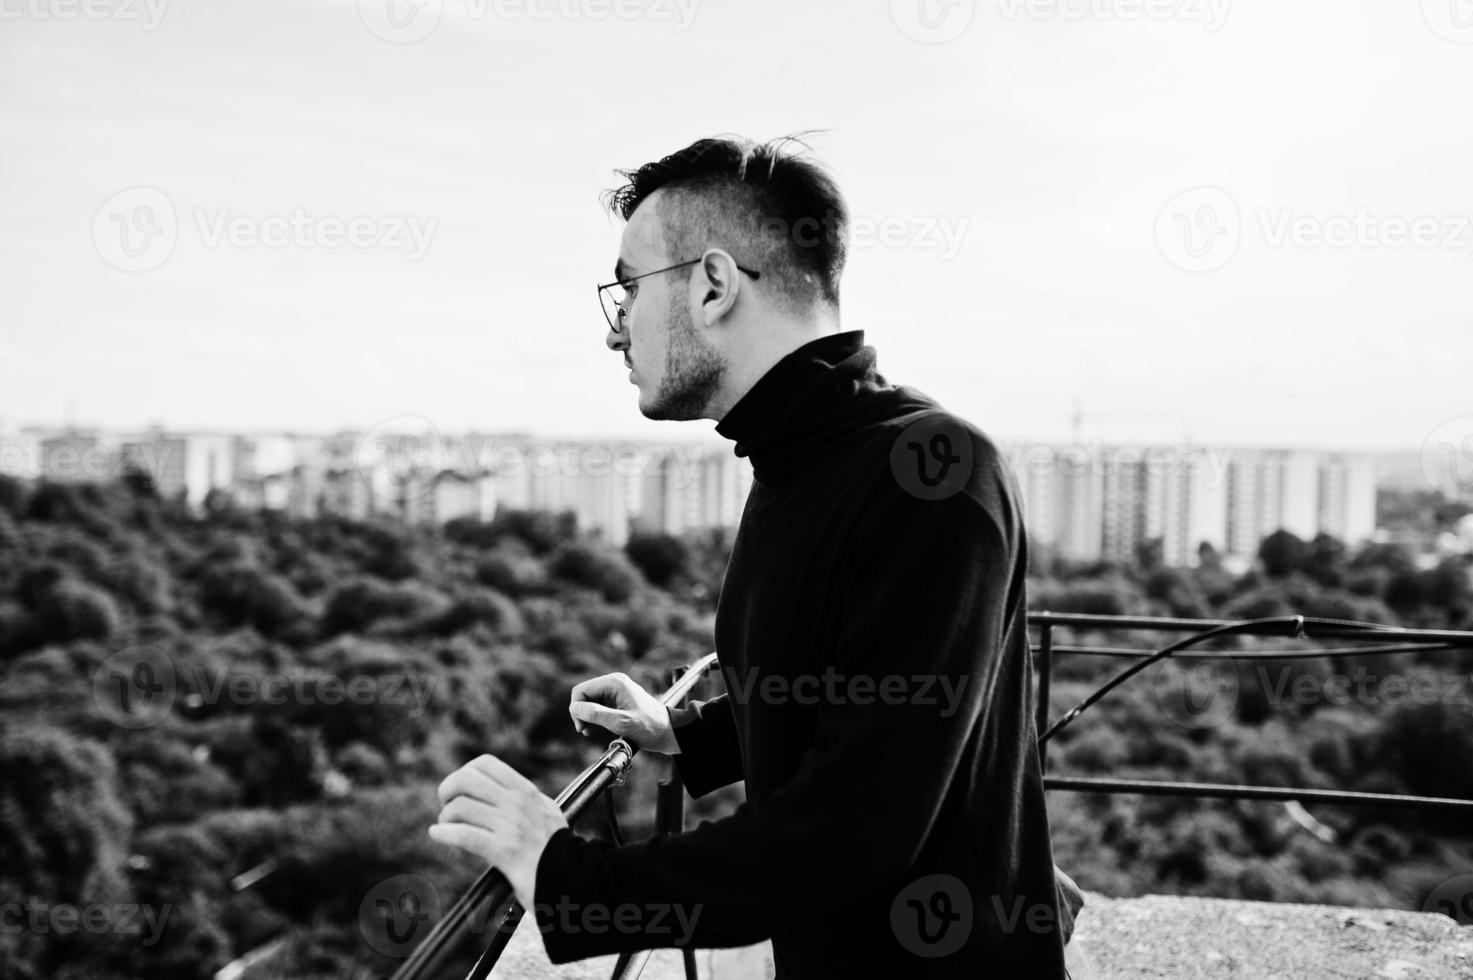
{"points": [[925, 597], [709, 755]]}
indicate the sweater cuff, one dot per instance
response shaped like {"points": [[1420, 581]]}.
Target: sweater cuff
{"points": [[558, 888], [708, 758]]}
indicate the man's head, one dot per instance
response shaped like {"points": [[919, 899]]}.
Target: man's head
{"points": [[764, 231]]}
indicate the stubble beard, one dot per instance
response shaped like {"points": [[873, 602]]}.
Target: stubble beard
{"points": [[693, 372]]}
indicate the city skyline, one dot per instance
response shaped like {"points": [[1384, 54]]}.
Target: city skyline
{"points": [[1090, 501], [683, 432]]}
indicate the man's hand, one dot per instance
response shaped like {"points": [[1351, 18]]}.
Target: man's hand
{"points": [[615, 702], [495, 813]]}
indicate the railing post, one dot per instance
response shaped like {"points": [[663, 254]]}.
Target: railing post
{"points": [[1045, 676], [669, 819]]}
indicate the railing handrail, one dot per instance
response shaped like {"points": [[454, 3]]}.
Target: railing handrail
{"points": [[1406, 640], [1179, 625]]}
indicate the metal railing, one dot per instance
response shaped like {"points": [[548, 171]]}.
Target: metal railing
{"points": [[1388, 640]]}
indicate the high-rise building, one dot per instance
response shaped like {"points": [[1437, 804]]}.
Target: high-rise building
{"points": [[1103, 502], [1348, 496]]}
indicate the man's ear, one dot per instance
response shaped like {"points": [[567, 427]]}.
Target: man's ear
{"points": [[720, 283]]}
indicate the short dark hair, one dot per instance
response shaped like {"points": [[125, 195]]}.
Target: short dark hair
{"points": [[766, 203]]}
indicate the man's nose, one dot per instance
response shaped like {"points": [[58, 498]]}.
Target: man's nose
{"points": [[617, 340]]}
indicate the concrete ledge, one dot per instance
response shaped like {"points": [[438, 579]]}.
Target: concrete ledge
{"points": [[525, 959], [1160, 936], [1177, 938]]}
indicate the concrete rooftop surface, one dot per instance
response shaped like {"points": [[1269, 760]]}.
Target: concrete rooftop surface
{"points": [[1160, 936]]}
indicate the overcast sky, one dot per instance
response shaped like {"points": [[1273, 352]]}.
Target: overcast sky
{"points": [[1241, 222]]}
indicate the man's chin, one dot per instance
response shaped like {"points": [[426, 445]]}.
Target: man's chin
{"points": [[658, 408], [651, 405]]}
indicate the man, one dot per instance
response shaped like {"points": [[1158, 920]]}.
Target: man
{"points": [[871, 629]]}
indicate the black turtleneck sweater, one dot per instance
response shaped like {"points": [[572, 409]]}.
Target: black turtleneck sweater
{"points": [[878, 703]]}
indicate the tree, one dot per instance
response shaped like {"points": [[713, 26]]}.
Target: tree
{"points": [[241, 594], [1150, 555], [608, 573], [359, 604], [510, 569], [66, 830], [662, 558], [1427, 745], [73, 610], [1282, 553], [1326, 560], [540, 530]]}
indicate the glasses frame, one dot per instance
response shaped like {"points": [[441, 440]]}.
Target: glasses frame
{"points": [[615, 326]]}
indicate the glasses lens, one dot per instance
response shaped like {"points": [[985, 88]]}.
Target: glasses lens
{"points": [[611, 305]]}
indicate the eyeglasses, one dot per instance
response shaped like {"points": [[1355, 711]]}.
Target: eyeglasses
{"points": [[613, 304]]}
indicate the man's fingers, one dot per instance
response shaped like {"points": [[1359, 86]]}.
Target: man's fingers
{"points": [[610, 689], [588, 690], [467, 810], [500, 772], [464, 836], [612, 719], [470, 780]]}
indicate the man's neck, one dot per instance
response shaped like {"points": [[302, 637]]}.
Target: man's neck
{"points": [[757, 359]]}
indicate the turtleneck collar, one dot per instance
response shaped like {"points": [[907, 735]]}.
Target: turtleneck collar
{"points": [[805, 402]]}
